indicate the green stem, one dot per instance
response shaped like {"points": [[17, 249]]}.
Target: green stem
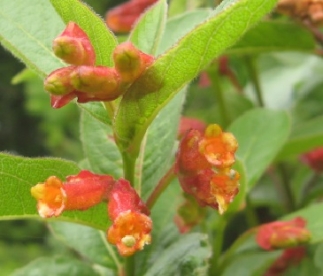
{"points": [[161, 186], [217, 245], [129, 163], [253, 72], [110, 107], [215, 83], [130, 266]]}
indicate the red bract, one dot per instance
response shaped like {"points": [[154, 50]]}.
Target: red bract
{"points": [[131, 226], [79, 192], [122, 18], [314, 159], [289, 257], [73, 46], [203, 166], [283, 234], [187, 123]]}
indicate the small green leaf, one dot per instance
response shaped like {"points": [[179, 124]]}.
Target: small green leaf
{"points": [[27, 29], [168, 75], [261, 133], [99, 146], [18, 175], [187, 256], [101, 37], [280, 36], [148, 31], [304, 137], [97, 110], [90, 243], [58, 265]]}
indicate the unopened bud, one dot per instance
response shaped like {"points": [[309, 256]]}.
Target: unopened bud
{"points": [[96, 81], [74, 47], [130, 62], [58, 82]]}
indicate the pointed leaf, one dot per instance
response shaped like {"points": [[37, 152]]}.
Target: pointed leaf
{"points": [[27, 29], [261, 133], [148, 31], [101, 37], [181, 64], [18, 175]]}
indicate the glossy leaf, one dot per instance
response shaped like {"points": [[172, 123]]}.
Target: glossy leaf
{"points": [[18, 175], [101, 37], [149, 29], [58, 265], [27, 29], [261, 133], [304, 137], [99, 146], [90, 243], [187, 256], [173, 70], [280, 36]]}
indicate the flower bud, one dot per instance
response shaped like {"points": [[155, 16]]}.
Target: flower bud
{"points": [[187, 123], [283, 234], [74, 47], [130, 62], [58, 82], [79, 192], [97, 82], [314, 159]]}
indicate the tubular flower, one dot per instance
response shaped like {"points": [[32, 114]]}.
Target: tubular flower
{"points": [[314, 159], [283, 234], [121, 18], [187, 123], [131, 226], [74, 46], [79, 192], [203, 166]]}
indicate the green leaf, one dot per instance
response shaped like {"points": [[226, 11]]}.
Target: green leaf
{"points": [[97, 110], [148, 31], [261, 133], [101, 37], [158, 159], [160, 82], [304, 137], [90, 243], [187, 256], [27, 29], [99, 146], [18, 175], [250, 263], [280, 36], [179, 26], [58, 265]]}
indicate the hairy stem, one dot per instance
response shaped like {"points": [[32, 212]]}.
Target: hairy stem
{"points": [[161, 186], [129, 164]]}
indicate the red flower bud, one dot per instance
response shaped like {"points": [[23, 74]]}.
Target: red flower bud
{"points": [[99, 83], [58, 82], [130, 62], [204, 80], [74, 46], [283, 234], [121, 18], [79, 192], [314, 159], [131, 226], [186, 124]]}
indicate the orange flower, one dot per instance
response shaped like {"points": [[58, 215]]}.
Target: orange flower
{"points": [[79, 192], [283, 234], [130, 232]]}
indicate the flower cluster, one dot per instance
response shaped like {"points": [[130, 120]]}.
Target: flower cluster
{"points": [[131, 224], [203, 166], [83, 79], [305, 10], [283, 234], [121, 18]]}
